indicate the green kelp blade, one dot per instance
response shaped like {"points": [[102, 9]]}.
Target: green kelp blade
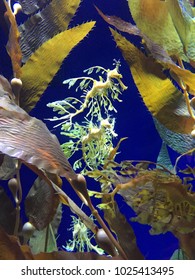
{"points": [[182, 16], [41, 67], [153, 19], [125, 234], [165, 102], [45, 24]]}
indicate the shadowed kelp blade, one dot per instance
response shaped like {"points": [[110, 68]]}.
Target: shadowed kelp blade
{"points": [[45, 24], [31, 6]]}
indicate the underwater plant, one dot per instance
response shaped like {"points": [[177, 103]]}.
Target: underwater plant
{"points": [[160, 194]]}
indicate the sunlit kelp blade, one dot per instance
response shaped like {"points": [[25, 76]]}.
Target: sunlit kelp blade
{"points": [[12, 46], [182, 15], [31, 6], [41, 204], [153, 19], [40, 69], [46, 23], [29, 139], [161, 97]]}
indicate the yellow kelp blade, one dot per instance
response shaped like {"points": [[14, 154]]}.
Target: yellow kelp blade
{"points": [[153, 19], [163, 99], [44, 63], [182, 16]]}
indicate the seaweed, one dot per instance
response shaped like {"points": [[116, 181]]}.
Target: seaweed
{"points": [[160, 194]]}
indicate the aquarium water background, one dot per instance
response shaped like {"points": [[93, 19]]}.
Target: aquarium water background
{"points": [[133, 120]]}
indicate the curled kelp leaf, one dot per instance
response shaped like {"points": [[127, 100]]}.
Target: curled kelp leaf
{"points": [[162, 98], [31, 6], [13, 47], [43, 25], [36, 75], [41, 204]]}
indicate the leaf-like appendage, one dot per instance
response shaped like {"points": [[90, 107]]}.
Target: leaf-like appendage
{"points": [[28, 139], [163, 99], [43, 25], [40, 69]]}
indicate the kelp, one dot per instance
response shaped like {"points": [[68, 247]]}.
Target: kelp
{"points": [[41, 204], [29, 7], [158, 197], [45, 24], [13, 47], [156, 193], [8, 213], [17, 125], [161, 97], [119, 224], [36, 75]]}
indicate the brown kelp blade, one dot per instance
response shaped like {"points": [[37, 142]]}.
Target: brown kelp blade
{"points": [[13, 47], [29, 140], [41, 204]]}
